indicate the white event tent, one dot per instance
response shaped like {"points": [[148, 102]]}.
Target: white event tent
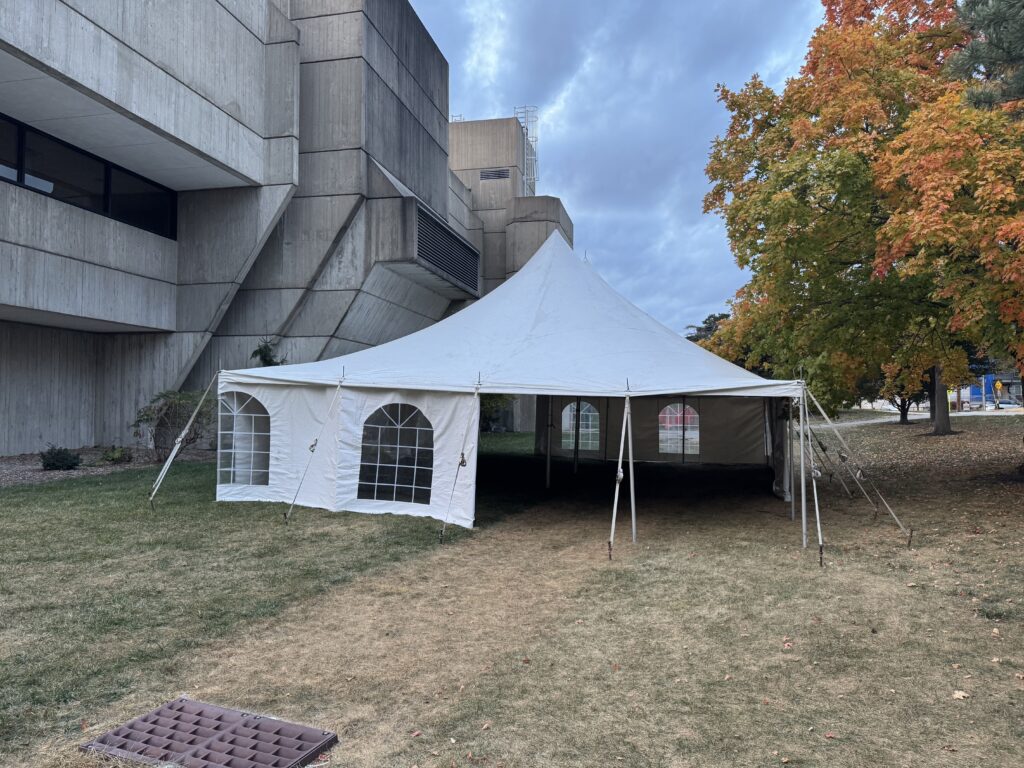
{"points": [[394, 428]]}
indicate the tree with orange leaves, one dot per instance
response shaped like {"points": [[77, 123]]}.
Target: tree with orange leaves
{"points": [[827, 189]]}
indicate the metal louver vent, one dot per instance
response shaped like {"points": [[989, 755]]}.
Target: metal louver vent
{"points": [[490, 174], [438, 245]]}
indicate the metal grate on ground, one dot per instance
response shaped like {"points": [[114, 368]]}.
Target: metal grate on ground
{"points": [[197, 735]]}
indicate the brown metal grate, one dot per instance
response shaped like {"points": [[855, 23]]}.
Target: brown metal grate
{"points": [[197, 735]]}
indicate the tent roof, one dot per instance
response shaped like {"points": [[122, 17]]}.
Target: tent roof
{"points": [[553, 328]]}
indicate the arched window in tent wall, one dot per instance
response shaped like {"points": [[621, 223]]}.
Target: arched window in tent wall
{"points": [[679, 430], [397, 462], [243, 456], [590, 427]]}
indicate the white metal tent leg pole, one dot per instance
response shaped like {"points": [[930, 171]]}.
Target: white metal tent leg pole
{"points": [[817, 511], [177, 441], [803, 479], [576, 438], [618, 484], [547, 452], [632, 491], [791, 465]]}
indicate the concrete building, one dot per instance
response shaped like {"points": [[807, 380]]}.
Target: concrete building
{"points": [[185, 179]]}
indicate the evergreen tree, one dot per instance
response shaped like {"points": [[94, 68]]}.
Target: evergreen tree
{"points": [[994, 58]]}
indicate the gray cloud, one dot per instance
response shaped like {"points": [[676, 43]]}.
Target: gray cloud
{"points": [[627, 115]]}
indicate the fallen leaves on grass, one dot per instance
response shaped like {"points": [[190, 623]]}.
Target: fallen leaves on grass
{"points": [[961, 695], [416, 734]]}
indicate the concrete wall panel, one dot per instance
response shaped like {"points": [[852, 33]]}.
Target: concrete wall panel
{"points": [[300, 242], [326, 114], [36, 221]]}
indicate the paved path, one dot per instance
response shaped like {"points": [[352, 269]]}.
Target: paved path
{"points": [[924, 417]]}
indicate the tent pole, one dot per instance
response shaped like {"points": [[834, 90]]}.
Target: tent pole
{"points": [[618, 484], [791, 466], [576, 441], [822, 452], [547, 449], [632, 486], [859, 468], [177, 441], [817, 512], [803, 478]]}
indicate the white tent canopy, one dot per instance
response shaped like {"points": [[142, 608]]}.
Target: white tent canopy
{"points": [[554, 328], [394, 428]]}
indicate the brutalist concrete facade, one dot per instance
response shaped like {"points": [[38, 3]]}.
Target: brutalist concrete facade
{"points": [[308, 145]]}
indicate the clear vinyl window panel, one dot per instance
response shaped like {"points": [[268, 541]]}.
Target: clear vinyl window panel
{"points": [[397, 461], [243, 448], [590, 427], [679, 430]]}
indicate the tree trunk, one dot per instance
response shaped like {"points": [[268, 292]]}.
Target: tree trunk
{"points": [[904, 406], [932, 389], [941, 406]]}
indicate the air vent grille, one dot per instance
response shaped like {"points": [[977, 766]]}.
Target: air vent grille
{"points": [[491, 174], [442, 248]]}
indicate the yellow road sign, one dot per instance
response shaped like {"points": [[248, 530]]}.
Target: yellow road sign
{"points": [[999, 384]]}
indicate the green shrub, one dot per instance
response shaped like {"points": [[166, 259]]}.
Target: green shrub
{"points": [[59, 458], [118, 455]]}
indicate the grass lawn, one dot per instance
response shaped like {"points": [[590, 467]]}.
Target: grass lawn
{"points": [[716, 641]]}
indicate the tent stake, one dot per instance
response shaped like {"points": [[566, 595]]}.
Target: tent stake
{"points": [[177, 443], [618, 484]]}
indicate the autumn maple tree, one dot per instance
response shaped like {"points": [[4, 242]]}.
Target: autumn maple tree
{"points": [[876, 209]]}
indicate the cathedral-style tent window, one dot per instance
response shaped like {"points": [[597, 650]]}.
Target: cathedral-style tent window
{"points": [[397, 462], [590, 427], [243, 457], [679, 430]]}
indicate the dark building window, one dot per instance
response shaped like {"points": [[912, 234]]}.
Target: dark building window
{"points": [[8, 151], [140, 203], [58, 170]]}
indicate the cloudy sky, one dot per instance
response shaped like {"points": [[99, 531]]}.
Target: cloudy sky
{"points": [[627, 107]]}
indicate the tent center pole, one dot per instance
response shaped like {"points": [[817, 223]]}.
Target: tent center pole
{"points": [[576, 440], [547, 451]]}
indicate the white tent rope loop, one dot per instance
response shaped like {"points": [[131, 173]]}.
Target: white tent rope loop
{"points": [[312, 451]]}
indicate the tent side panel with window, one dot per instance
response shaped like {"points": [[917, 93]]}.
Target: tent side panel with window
{"points": [[395, 427]]}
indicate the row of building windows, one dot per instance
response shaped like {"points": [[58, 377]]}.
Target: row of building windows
{"points": [[45, 164]]}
